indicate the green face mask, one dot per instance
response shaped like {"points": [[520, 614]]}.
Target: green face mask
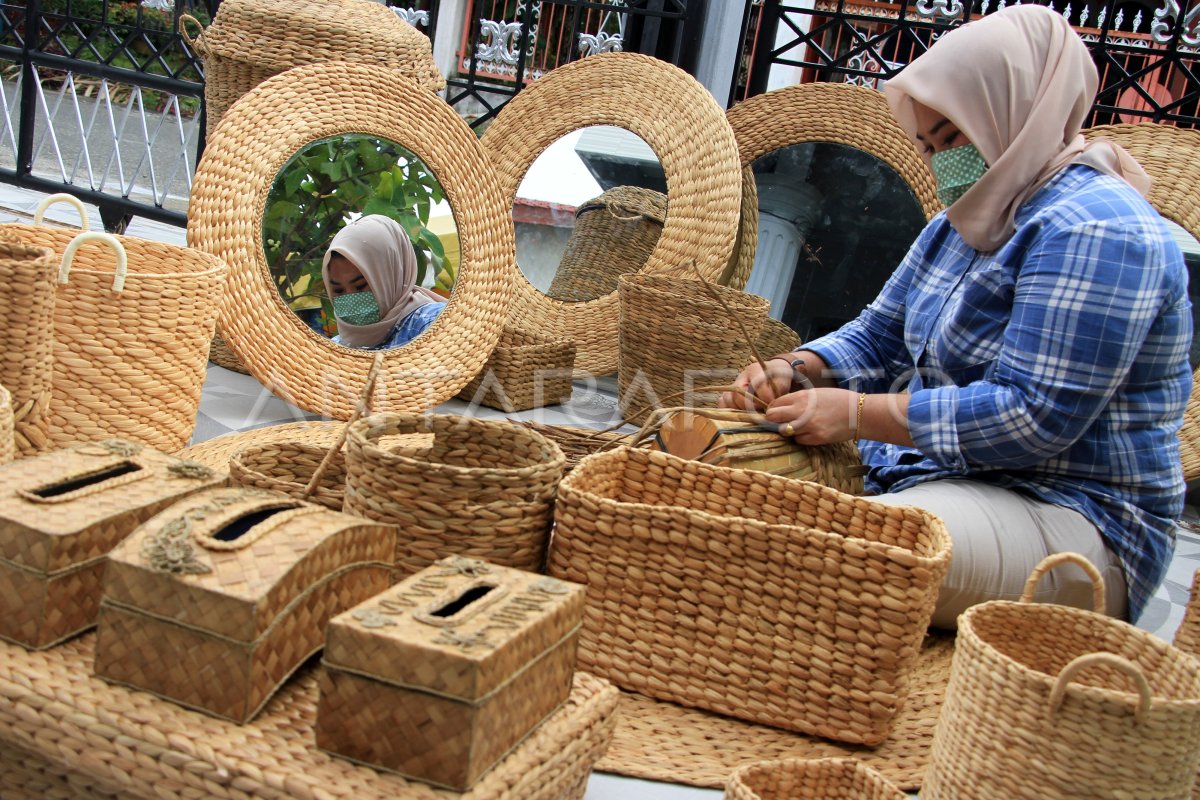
{"points": [[356, 308], [956, 170]]}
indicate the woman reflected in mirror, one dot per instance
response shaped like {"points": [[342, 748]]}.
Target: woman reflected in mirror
{"points": [[370, 274]]}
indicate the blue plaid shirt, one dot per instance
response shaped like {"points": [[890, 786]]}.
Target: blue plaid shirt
{"points": [[1055, 365]]}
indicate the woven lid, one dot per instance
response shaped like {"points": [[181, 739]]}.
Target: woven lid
{"points": [[279, 36], [461, 627], [629, 201]]}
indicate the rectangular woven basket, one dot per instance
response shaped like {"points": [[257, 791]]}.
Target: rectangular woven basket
{"points": [[215, 601], [526, 370], [777, 601], [804, 779]]}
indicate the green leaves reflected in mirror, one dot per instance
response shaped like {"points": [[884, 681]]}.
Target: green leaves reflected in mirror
{"points": [[333, 181]]}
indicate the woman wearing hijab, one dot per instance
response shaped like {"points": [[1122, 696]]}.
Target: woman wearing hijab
{"points": [[370, 272], [1023, 373]]}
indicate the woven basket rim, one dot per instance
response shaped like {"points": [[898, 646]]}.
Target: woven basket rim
{"points": [[212, 264], [253, 141], [704, 181], [940, 542]]}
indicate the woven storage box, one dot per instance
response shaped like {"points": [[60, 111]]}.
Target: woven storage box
{"points": [[215, 601], [614, 234], [61, 512], [443, 675], [1187, 637], [133, 320], [738, 440], [27, 370], [484, 489], [251, 40], [675, 338], [287, 467], [7, 447], [778, 601], [818, 779], [526, 370], [1051, 702]]}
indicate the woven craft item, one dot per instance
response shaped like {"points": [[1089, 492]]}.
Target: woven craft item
{"points": [[818, 779], [61, 513], [217, 600], [133, 320], [251, 40], [107, 736], [7, 447], [1102, 709], [484, 489], [27, 370], [217, 452], [741, 440], [698, 156], [614, 234], [287, 467], [1171, 156], [778, 601], [1187, 637], [257, 137], [443, 675], [222, 355], [675, 337], [737, 272], [576, 442], [526, 370], [776, 338]]}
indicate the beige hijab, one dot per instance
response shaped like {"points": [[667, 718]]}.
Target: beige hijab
{"points": [[381, 250], [1018, 84]]}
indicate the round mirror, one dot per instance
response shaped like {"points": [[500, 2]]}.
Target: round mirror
{"points": [[590, 209], [834, 222], [386, 149], [381, 216]]}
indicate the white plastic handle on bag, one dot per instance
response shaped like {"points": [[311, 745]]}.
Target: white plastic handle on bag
{"points": [[62, 197], [96, 236]]}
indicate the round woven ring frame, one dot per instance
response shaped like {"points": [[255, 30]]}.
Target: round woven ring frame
{"points": [[831, 112], [684, 126], [253, 142]]}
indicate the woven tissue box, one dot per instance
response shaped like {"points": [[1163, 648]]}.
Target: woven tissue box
{"points": [[215, 601], [60, 514], [442, 676]]}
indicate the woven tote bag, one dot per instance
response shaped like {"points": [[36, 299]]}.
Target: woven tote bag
{"points": [[815, 779], [676, 338], [133, 320], [778, 601], [481, 488], [27, 369], [1051, 702]]}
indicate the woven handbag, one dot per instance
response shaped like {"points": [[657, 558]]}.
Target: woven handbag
{"points": [[614, 234], [483, 488], [132, 325], [816, 779], [526, 370], [1048, 702], [778, 601], [1187, 637], [27, 370], [675, 338]]}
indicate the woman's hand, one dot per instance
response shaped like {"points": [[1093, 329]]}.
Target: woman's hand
{"points": [[765, 386], [816, 416]]}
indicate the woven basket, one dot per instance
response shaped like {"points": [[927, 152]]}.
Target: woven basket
{"points": [[675, 336], [776, 338], [133, 321], [251, 40], [818, 779], [777, 601], [1187, 637], [484, 489], [287, 467], [614, 234], [526, 370], [7, 449], [1049, 702], [27, 371], [221, 354]]}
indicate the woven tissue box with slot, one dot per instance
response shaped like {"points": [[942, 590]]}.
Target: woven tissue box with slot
{"points": [[61, 513], [442, 676], [215, 601]]}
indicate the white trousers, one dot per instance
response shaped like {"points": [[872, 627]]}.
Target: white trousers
{"points": [[999, 536]]}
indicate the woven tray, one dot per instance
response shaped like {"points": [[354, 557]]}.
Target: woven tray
{"points": [[698, 155], [50, 704]]}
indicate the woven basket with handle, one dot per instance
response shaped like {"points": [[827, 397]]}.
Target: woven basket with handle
{"points": [[1051, 702], [816, 779], [27, 369], [481, 488], [778, 601]]}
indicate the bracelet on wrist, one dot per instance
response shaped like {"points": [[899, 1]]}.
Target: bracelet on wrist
{"points": [[800, 379]]}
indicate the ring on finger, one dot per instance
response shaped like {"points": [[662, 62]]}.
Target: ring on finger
{"points": [[787, 429]]}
